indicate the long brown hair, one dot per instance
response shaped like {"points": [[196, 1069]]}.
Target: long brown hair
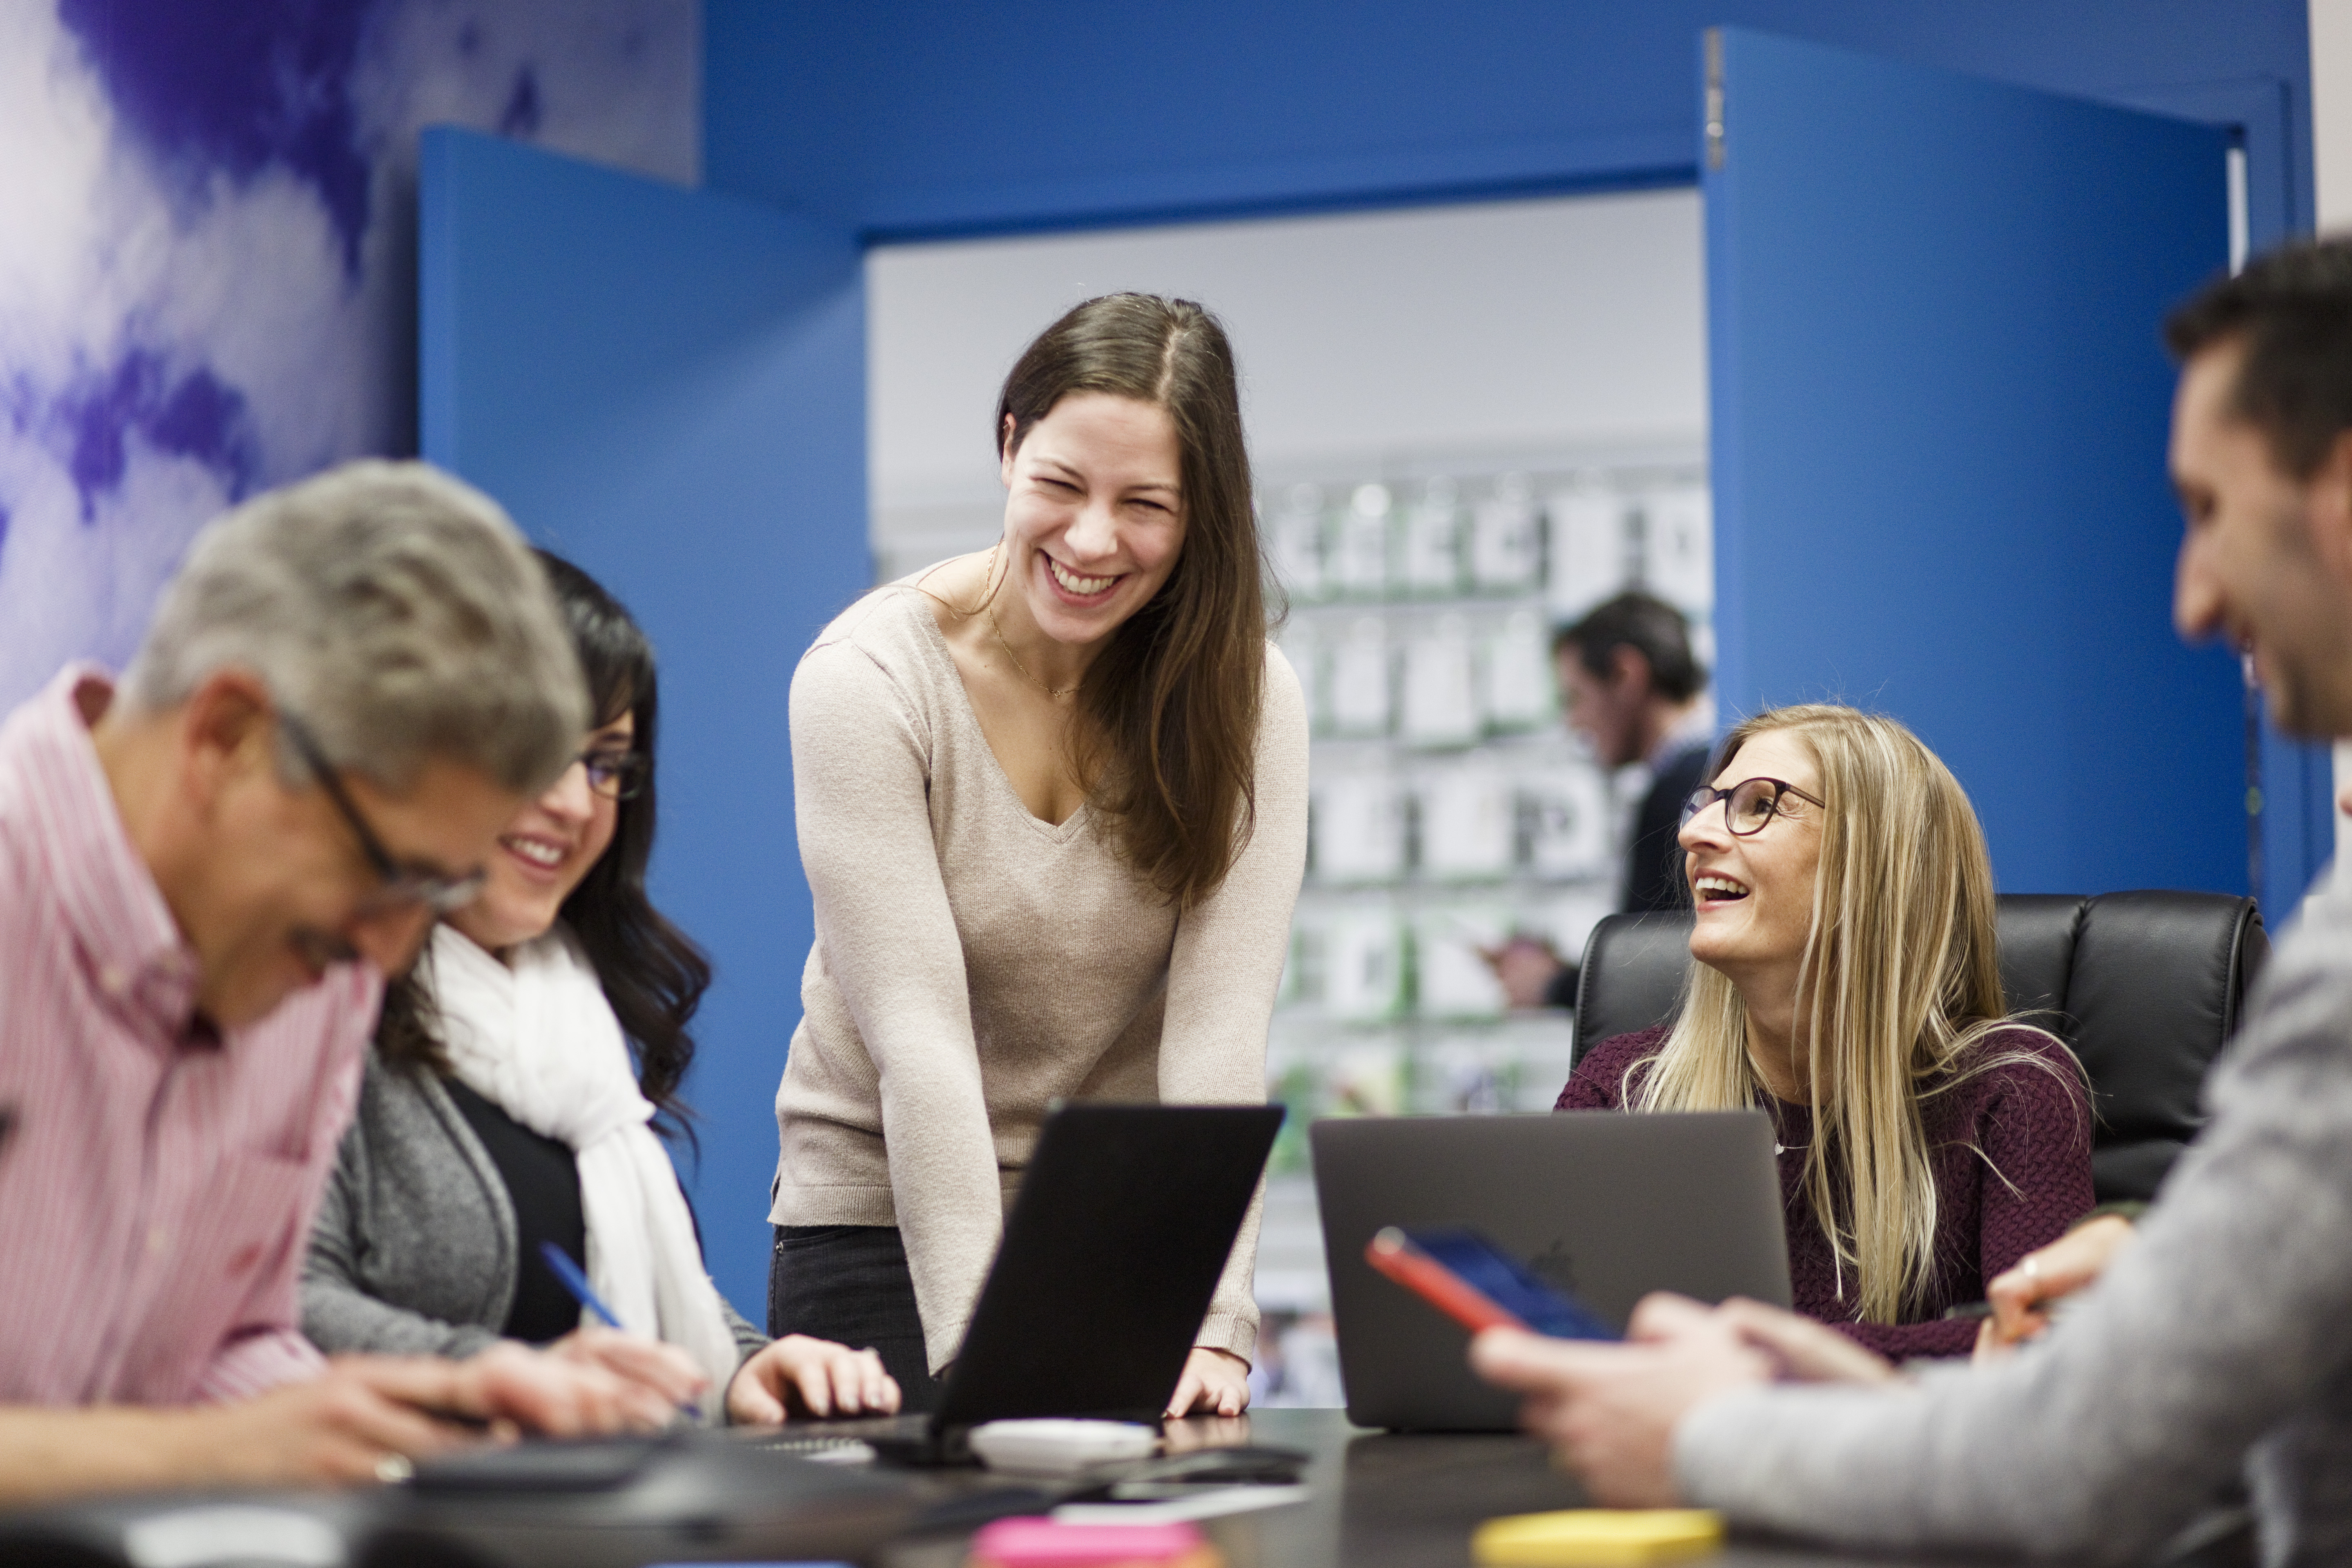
{"points": [[1166, 734], [1900, 982]]}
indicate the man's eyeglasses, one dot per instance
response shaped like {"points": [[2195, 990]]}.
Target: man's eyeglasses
{"points": [[1748, 804], [614, 773], [403, 885]]}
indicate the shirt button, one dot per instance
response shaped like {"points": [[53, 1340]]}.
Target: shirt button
{"points": [[113, 979], [155, 1239]]}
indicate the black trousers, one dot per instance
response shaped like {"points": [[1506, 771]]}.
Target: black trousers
{"points": [[849, 1283]]}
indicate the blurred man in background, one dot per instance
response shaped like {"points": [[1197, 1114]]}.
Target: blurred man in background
{"points": [[1631, 687]]}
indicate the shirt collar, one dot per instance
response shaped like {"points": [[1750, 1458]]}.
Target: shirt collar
{"points": [[137, 957]]}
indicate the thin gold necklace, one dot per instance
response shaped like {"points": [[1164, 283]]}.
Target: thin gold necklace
{"points": [[1056, 694]]}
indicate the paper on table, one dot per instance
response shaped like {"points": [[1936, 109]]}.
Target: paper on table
{"points": [[1209, 1502]]}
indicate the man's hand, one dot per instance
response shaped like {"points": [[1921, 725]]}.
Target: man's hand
{"points": [[1215, 1382], [1525, 967], [813, 1375], [2021, 1298], [363, 1419], [1805, 1351], [1610, 1411]]}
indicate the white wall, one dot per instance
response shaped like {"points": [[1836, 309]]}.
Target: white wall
{"points": [[1564, 323], [2331, 138]]}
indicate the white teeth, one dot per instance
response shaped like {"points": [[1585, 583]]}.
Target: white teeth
{"points": [[1714, 884], [1079, 585], [537, 854]]}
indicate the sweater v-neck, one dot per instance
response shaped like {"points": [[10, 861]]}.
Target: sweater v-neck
{"points": [[1060, 832]]}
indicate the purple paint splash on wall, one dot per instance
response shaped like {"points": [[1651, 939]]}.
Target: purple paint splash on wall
{"points": [[206, 253], [189, 415], [235, 86]]}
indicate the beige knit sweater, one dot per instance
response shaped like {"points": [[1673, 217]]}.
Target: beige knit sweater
{"points": [[973, 964]]}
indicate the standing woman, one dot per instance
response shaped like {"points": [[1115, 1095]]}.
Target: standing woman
{"points": [[1053, 807]]}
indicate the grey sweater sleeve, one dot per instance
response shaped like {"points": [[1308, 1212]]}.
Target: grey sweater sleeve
{"points": [[338, 1314], [2224, 1320]]}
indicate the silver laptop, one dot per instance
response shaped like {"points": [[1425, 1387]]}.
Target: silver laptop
{"points": [[1609, 1204]]}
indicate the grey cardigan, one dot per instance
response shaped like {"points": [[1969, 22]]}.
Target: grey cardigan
{"points": [[415, 1248]]}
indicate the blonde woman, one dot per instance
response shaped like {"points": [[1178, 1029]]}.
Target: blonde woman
{"points": [[1845, 977]]}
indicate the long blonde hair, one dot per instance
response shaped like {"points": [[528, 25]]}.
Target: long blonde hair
{"points": [[1899, 983]]}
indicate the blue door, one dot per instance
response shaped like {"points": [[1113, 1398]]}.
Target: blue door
{"points": [[1940, 405], [667, 386]]}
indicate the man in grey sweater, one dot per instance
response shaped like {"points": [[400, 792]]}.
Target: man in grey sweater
{"points": [[2219, 1336]]}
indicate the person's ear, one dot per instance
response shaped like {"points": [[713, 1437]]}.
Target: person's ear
{"points": [[1629, 671], [2327, 501], [1005, 450], [229, 732]]}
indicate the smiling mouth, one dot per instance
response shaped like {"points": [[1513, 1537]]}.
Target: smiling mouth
{"points": [[537, 852], [1076, 585], [1714, 889]]}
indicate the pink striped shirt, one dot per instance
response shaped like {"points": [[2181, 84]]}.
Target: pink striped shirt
{"points": [[157, 1181]]}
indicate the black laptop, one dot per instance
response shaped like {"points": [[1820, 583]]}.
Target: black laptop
{"points": [[1123, 1224]]}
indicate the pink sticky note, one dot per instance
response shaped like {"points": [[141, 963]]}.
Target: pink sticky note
{"points": [[1042, 1543]]}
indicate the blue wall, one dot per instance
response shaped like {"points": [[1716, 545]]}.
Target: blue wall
{"points": [[911, 121], [906, 119], [667, 386], [1938, 437]]}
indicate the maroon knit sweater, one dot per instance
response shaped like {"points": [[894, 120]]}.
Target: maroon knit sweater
{"points": [[2033, 1127]]}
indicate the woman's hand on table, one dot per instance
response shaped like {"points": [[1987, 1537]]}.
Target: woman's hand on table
{"points": [[658, 1375], [816, 1377], [2022, 1297], [1215, 1382]]}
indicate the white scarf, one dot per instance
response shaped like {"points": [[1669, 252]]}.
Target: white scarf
{"points": [[537, 1038]]}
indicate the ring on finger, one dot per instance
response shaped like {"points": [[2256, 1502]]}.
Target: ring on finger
{"points": [[393, 1470]]}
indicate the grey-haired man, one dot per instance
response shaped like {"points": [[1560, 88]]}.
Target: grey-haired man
{"points": [[205, 875]]}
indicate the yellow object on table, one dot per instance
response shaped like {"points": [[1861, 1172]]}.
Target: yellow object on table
{"points": [[1597, 1538]]}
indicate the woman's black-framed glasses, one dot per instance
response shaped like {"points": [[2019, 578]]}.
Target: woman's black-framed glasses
{"points": [[614, 772], [1748, 804], [403, 885]]}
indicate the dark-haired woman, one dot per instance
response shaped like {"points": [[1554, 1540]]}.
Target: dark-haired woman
{"points": [[1053, 807], [501, 1109]]}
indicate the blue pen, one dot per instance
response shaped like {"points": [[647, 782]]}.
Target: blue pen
{"points": [[575, 1279]]}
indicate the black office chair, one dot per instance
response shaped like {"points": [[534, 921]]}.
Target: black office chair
{"points": [[2145, 987]]}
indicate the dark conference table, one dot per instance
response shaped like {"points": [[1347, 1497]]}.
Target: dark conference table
{"points": [[1379, 1500]]}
